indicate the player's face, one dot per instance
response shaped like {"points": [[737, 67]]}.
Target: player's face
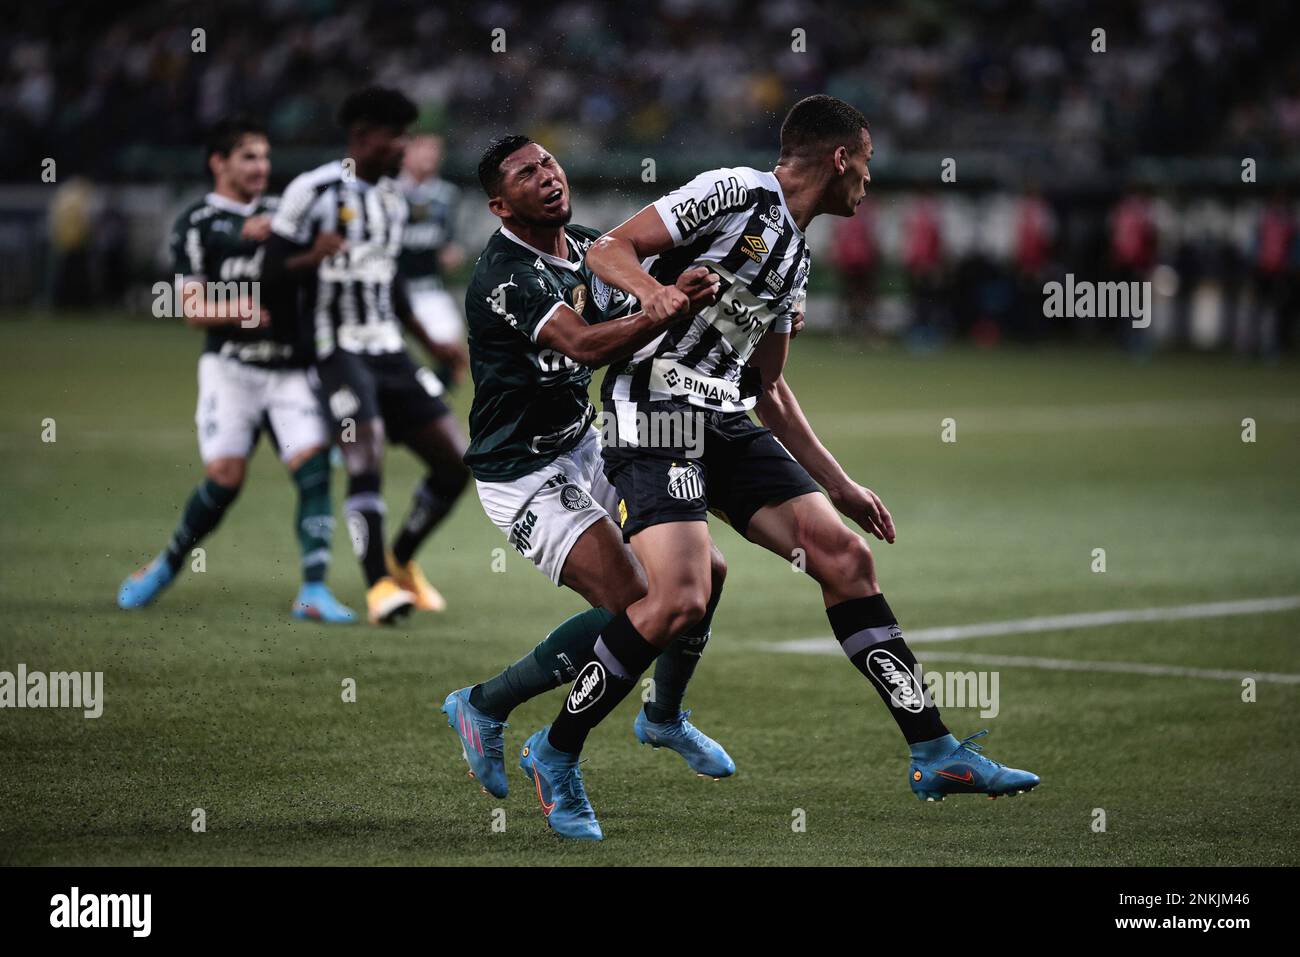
{"points": [[848, 189], [423, 157], [380, 150], [248, 167], [534, 189]]}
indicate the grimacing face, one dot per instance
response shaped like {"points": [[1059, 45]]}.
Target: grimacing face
{"points": [[247, 169], [534, 189]]}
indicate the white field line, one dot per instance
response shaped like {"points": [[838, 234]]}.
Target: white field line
{"points": [[1254, 606], [1069, 418]]}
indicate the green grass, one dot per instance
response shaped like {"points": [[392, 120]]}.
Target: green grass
{"points": [[216, 699]]}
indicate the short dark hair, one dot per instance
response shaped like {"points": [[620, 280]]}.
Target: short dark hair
{"points": [[489, 164], [820, 121], [225, 134], [377, 106]]}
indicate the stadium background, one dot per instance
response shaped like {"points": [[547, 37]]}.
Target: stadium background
{"points": [[1073, 434]]}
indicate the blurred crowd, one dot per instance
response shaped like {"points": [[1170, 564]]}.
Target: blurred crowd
{"points": [[1020, 77]]}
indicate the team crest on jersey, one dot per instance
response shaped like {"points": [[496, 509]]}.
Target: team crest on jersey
{"points": [[574, 498], [754, 247], [347, 214], [578, 296], [686, 482]]}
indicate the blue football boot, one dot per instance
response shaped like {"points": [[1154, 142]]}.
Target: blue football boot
{"points": [[143, 586], [705, 756], [965, 770], [558, 781], [481, 742], [315, 602]]}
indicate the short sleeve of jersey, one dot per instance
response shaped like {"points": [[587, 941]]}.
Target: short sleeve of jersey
{"points": [[703, 206], [293, 216], [785, 322], [516, 294], [186, 245]]}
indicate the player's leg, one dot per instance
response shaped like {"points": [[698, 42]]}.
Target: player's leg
{"points": [[440, 315], [410, 399], [808, 528], [302, 436], [675, 557], [227, 421], [348, 392], [440, 444], [662, 723]]}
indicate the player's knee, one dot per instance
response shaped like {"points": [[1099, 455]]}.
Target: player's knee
{"points": [[686, 609], [365, 453], [228, 473], [843, 562], [717, 569]]}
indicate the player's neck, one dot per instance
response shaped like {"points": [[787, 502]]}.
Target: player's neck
{"points": [[801, 193], [546, 239], [237, 197]]}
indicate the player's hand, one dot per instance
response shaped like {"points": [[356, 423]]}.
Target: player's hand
{"points": [[864, 507], [327, 245], [796, 324], [257, 228], [700, 286], [666, 304]]}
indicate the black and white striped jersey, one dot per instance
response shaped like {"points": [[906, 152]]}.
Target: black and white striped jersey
{"points": [[736, 222], [350, 305]]}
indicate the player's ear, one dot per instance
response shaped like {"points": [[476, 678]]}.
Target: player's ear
{"points": [[841, 159], [498, 207]]}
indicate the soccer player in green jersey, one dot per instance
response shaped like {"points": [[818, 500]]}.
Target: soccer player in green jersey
{"points": [[252, 373], [537, 328]]}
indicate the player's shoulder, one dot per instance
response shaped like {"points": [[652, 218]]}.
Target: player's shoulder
{"points": [[304, 188], [196, 213], [500, 257], [583, 235]]}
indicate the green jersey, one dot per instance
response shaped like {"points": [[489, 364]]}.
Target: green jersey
{"points": [[207, 246], [530, 402]]}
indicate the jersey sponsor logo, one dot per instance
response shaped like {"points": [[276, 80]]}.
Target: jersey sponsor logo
{"points": [[695, 212], [686, 482], [753, 247], [898, 681], [574, 498], [521, 535], [498, 300], [773, 281], [773, 219], [587, 689]]}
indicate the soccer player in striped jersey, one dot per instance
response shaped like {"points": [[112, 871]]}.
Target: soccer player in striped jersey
{"points": [[537, 329], [339, 232], [749, 227], [252, 373]]}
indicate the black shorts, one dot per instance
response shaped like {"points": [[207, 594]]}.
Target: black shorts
{"points": [[389, 386], [737, 469]]}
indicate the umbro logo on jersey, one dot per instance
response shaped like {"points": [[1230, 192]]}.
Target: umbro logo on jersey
{"points": [[696, 212], [754, 247], [686, 482]]}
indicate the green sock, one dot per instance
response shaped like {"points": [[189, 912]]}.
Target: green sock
{"points": [[203, 511], [555, 661], [315, 518], [673, 668]]}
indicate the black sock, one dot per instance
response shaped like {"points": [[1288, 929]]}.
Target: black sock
{"points": [[621, 654], [433, 500], [203, 511], [365, 512], [674, 668], [869, 634]]}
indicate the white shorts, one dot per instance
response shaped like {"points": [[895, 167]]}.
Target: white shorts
{"points": [[437, 312], [234, 398], [543, 513]]}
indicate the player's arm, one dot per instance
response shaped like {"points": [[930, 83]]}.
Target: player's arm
{"points": [[297, 245], [189, 263], [600, 344], [779, 410], [616, 258]]}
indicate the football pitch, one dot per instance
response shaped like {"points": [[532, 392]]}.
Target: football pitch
{"points": [[1151, 749]]}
